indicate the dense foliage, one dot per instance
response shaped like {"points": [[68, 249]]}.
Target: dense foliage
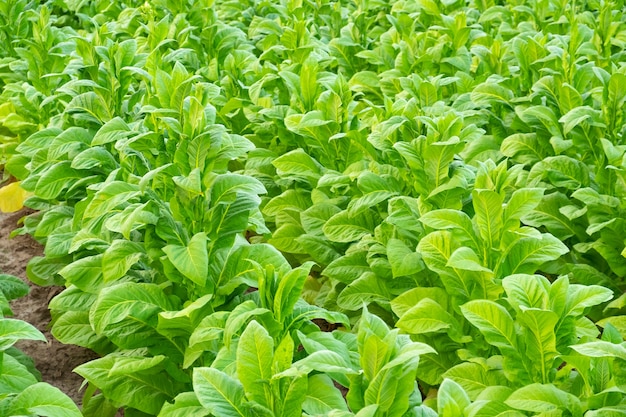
{"points": [[329, 208]]}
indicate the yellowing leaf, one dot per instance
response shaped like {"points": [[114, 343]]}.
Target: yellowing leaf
{"points": [[12, 197]]}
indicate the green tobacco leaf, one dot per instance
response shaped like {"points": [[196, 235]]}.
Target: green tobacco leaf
{"points": [[298, 200], [127, 313], [425, 317], [562, 171], [410, 298], [185, 405], [366, 289], [601, 349], [112, 131], [12, 287], [580, 115], [527, 291], [191, 260], [474, 378], [56, 179], [544, 398], [374, 353], [292, 393], [488, 207], [547, 214], [110, 197], [255, 352], [343, 227], [540, 339], [44, 270], [238, 318], [527, 254], [44, 400], [136, 382], [68, 143], [298, 164], [489, 93], [226, 186], [384, 389], [313, 218], [89, 107], [73, 327], [287, 238], [369, 200], [522, 202], [581, 297], [324, 361], [524, 148], [72, 299], [218, 392], [322, 396], [57, 218], [289, 290], [446, 219], [452, 400], [436, 249], [12, 330], [439, 156], [15, 376], [466, 259], [283, 354], [348, 268], [493, 321], [402, 259], [119, 258], [191, 183], [85, 273]]}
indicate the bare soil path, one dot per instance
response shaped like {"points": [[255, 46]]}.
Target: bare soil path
{"points": [[54, 360]]}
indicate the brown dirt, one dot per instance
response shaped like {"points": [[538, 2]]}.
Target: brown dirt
{"points": [[54, 360]]}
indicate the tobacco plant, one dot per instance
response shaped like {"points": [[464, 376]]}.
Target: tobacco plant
{"points": [[225, 189]]}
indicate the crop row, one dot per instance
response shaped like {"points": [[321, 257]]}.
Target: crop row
{"points": [[323, 208]]}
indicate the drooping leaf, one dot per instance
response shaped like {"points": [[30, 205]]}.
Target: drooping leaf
{"points": [[12, 330], [136, 382]]}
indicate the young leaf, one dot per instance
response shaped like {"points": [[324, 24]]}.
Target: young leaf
{"points": [[540, 339], [527, 291], [488, 207], [289, 290], [452, 400], [255, 352]]}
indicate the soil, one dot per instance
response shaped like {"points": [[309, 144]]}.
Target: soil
{"points": [[54, 360]]}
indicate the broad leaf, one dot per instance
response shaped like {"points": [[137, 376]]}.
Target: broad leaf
{"points": [[218, 392]]}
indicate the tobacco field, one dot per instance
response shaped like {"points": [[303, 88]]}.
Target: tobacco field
{"points": [[371, 208]]}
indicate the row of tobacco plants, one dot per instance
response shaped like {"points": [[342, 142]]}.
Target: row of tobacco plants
{"points": [[325, 208]]}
